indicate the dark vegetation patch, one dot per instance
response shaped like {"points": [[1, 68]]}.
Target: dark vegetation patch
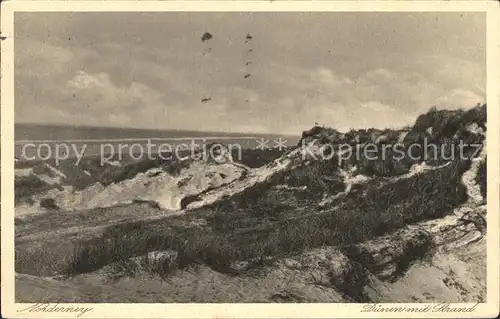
{"points": [[27, 186], [254, 158], [481, 177], [448, 128], [48, 203], [317, 178]]}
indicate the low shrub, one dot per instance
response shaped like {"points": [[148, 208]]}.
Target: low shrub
{"points": [[48, 203], [27, 186]]}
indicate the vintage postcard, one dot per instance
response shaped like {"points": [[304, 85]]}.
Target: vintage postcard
{"points": [[250, 159]]}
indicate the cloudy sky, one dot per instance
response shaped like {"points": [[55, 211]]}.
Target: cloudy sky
{"points": [[149, 70]]}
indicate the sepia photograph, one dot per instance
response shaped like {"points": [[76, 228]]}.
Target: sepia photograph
{"points": [[248, 157]]}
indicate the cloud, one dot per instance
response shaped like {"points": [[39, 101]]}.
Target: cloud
{"points": [[117, 105], [85, 81], [459, 98], [367, 70], [35, 58], [377, 106], [378, 98]]}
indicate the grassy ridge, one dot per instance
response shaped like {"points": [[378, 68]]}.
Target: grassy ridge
{"points": [[360, 216]]}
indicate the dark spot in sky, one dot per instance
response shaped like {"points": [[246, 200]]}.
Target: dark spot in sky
{"points": [[69, 39], [74, 95], [251, 50], [207, 51], [247, 75], [247, 63], [1, 37], [205, 100], [206, 36]]}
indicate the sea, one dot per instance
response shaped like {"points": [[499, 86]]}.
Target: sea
{"points": [[42, 141]]}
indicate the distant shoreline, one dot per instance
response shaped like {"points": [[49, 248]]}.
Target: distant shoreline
{"points": [[139, 139], [44, 133]]}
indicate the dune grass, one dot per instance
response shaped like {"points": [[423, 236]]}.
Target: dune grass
{"points": [[359, 217]]}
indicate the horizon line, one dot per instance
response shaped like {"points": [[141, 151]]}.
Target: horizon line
{"points": [[140, 139], [78, 126]]}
